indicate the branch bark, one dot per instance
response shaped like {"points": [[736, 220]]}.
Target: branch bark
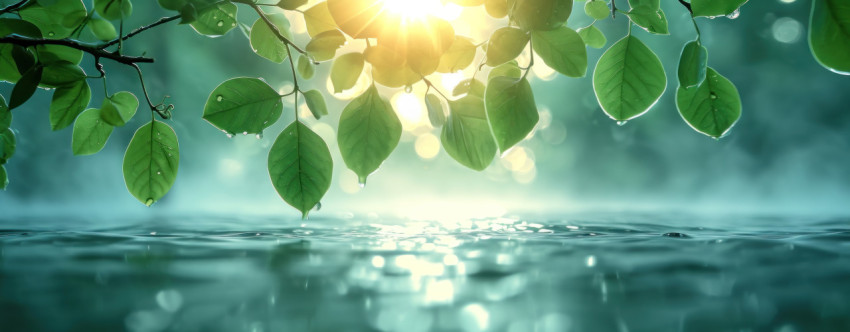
{"points": [[91, 49]]}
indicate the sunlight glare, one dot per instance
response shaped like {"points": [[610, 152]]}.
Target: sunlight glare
{"points": [[413, 9]]}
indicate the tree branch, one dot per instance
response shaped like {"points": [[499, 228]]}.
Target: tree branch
{"points": [[12, 7], [271, 25], [91, 49], [140, 30]]}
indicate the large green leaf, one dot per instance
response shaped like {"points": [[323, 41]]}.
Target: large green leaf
{"points": [[324, 45], [466, 136], [102, 29], [216, 20], [505, 45], [628, 79], [113, 9], [61, 73], [243, 105], [300, 167], [470, 86], [692, 64], [25, 87], [509, 69], [264, 41], [597, 9], [713, 8], [68, 102], [119, 108], [55, 21], [318, 19], [511, 110], [5, 114], [90, 133], [562, 49], [829, 34], [650, 19], [712, 107], [346, 70], [151, 161], [316, 103], [540, 14], [369, 130], [51, 54]]}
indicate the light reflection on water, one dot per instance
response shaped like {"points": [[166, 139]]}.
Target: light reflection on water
{"points": [[497, 274]]}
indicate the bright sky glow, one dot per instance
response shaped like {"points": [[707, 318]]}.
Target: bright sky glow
{"points": [[413, 9]]}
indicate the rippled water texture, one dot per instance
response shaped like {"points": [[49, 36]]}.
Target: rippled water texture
{"points": [[368, 274]]}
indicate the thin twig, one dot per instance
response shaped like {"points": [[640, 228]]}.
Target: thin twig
{"points": [[431, 86], [140, 30], [88, 48], [271, 25]]}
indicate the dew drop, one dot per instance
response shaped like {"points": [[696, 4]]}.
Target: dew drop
{"points": [[361, 180], [733, 15], [220, 23], [244, 133], [51, 34], [713, 95], [229, 135], [260, 135], [149, 202], [219, 98], [158, 173], [621, 123], [233, 24], [408, 89], [318, 206]]}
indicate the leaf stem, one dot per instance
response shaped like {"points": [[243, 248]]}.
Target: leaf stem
{"points": [[530, 63], [140, 30], [271, 25], [294, 80], [164, 113], [431, 86]]}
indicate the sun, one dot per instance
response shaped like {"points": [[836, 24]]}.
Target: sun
{"points": [[413, 9]]}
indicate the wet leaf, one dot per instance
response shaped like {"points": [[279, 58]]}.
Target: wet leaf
{"points": [[265, 42], [316, 103], [511, 110], [300, 167], [243, 105], [829, 34], [711, 108], [68, 102], [628, 79], [466, 136], [119, 108], [369, 130], [346, 70], [151, 162], [90, 133], [650, 19], [216, 20], [561, 49], [692, 64], [505, 45], [712, 8], [305, 67]]}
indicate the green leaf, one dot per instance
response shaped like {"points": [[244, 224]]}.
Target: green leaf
{"points": [[692, 64], [119, 108], [68, 102], [541, 14], [172, 4], [628, 79], [25, 87], [496, 8], [265, 42], [713, 8], [24, 59], [346, 70], [56, 21], [324, 45], [61, 73], [188, 14], [650, 19], [829, 34], [10, 26], [5, 114], [318, 19], [711, 108], [562, 49], [505, 45], [466, 136], [300, 167], [654, 4], [305, 67], [90, 133], [369, 130], [102, 29], [508, 69], [592, 36], [596, 9], [4, 178], [435, 110], [291, 4], [51, 54], [243, 105], [7, 148], [511, 110], [151, 161], [316, 103], [459, 55], [216, 20], [113, 9], [469, 86]]}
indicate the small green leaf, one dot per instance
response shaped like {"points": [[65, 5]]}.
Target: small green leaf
{"points": [[291, 4], [435, 110], [346, 70], [507, 69], [711, 108], [829, 34], [265, 42], [316, 103], [466, 136], [102, 29], [596, 9], [496, 8], [216, 20], [318, 19], [61, 73], [300, 166], [541, 14], [305, 67], [324, 45], [592, 36], [561, 49], [511, 110], [369, 130], [469, 86], [692, 64], [713, 8], [459, 56], [24, 59], [505, 45], [119, 108], [4, 178], [151, 162], [5, 114], [628, 79], [68, 102], [654, 4], [113, 9], [90, 133], [8, 146], [25, 87], [243, 105], [10, 26], [651, 20]]}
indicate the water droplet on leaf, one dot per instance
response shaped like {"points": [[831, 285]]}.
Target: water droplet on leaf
{"points": [[713, 95], [51, 34], [361, 180], [229, 135], [149, 202], [245, 133], [220, 23], [733, 15], [408, 89], [219, 98], [260, 135], [318, 206], [621, 123]]}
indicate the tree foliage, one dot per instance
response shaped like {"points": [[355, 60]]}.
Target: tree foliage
{"points": [[41, 47]]}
